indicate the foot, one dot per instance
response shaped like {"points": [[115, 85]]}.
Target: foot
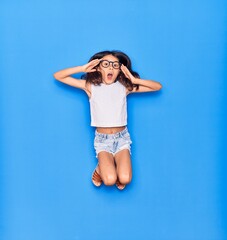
{"points": [[119, 185], [96, 179]]}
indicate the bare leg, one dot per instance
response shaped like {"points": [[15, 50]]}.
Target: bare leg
{"points": [[106, 168], [124, 166]]}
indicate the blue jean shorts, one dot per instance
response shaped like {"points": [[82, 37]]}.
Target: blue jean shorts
{"points": [[112, 143]]}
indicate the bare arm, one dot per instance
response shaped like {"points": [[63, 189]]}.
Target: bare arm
{"points": [[144, 85], [64, 75]]}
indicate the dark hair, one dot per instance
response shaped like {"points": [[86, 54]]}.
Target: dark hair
{"points": [[96, 77]]}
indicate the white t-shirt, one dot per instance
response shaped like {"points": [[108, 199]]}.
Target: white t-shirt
{"points": [[108, 105]]}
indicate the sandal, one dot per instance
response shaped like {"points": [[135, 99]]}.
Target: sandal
{"points": [[96, 179], [119, 185]]}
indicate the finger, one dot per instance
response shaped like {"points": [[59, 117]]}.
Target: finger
{"points": [[93, 64], [94, 60], [93, 70], [123, 67], [123, 70], [126, 75], [126, 71]]}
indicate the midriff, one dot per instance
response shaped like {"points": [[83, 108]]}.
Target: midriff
{"points": [[110, 130]]}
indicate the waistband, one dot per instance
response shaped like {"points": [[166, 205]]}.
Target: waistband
{"points": [[114, 135]]}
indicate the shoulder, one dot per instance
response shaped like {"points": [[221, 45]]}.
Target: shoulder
{"points": [[124, 88], [120, 85]]}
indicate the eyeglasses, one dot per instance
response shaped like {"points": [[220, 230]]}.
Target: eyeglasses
{"points": [[106, 63]]}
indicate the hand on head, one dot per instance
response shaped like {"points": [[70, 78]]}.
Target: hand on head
{"points": [[89, 67], [127, 73]]}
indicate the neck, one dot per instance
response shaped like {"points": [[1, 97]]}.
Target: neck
{"points": [[108, 83]]}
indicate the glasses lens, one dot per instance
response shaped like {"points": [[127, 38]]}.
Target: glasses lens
{"points": [[105, 63], [116, 65]]}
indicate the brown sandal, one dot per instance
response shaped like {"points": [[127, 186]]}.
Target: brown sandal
{"points": [[96, 179], [119, 185]]}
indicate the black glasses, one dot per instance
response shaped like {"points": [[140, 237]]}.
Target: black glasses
{"points": [[106, 63]]}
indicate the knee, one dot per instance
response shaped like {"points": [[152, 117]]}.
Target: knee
{"points": [[110, 179], [125, 178]]}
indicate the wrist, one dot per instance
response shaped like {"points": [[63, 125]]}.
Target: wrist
{"points": [[136, 80], [80, 69]]}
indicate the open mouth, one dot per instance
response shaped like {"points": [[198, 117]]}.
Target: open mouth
{"points": [[109, 76]]}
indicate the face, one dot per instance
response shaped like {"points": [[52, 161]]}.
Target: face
{"points": [[109, 73]]}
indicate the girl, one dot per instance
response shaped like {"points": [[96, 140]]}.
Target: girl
{"points": [[108, 79]]}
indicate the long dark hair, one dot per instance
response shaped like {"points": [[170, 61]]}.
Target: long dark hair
{"points": [[96, 77]]}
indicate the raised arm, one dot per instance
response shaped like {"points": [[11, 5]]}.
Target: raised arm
{"points": [[144, 85], [64, 75]]}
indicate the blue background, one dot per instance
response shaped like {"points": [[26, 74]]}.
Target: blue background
{"points": [[178, 151]]}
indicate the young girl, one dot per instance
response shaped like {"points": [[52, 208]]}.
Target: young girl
{"points": [[108, 79]]}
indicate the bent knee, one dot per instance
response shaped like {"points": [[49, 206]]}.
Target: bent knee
{"points": [[125, 178], [110, 179]]}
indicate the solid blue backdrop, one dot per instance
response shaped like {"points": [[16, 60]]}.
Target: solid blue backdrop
{"points": [[178, 151]]}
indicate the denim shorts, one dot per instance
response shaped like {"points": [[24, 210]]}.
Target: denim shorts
{"points": [[112, 143]]}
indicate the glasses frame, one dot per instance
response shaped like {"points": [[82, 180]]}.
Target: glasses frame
{"points": [[110, 62]]}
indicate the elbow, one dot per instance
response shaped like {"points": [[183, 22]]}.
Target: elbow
{"points": [[159, 87], [56, 76]]}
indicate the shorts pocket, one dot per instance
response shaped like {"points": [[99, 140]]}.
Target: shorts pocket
{"points": [[126, 136], [98, 139]]}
